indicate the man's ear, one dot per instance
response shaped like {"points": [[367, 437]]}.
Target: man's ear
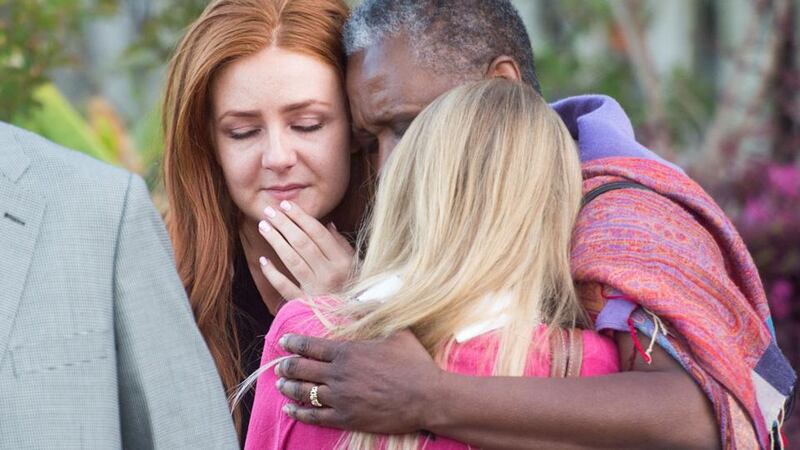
{"points": [[504, 67]]}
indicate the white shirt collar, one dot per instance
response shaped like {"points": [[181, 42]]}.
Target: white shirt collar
{"points": [[493, 307]]}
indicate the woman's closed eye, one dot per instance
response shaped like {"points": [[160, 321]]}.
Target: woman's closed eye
{"points": [[307, 127], [243, 134]]}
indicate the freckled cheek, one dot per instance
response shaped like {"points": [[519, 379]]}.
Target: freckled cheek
{"points": [[331, 166], [241, 175]]}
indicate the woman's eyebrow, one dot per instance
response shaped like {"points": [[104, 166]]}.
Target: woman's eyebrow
{"points": [[236, 113], [302, 104]]}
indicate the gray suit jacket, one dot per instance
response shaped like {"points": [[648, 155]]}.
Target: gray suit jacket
{"points": [[98, 347]]}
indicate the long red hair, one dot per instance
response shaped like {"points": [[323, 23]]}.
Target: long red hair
{"points": [[202, 219]]}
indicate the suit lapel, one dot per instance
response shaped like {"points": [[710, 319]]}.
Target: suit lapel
{"points": [[21, 214], [13, 160]]}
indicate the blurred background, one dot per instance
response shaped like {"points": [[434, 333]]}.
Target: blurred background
{"points": [[713, 85]]}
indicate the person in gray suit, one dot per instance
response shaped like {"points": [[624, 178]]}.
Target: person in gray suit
{"points": [[98, 347]]}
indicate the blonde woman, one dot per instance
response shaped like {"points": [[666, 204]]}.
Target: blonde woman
{"points": [[457, 255]]}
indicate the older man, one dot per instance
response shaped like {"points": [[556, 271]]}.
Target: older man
{"points": [[402, 55], [98, 347]]}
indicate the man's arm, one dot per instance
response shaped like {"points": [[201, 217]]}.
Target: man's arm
{"points": [[169, 391], [393, 386]]}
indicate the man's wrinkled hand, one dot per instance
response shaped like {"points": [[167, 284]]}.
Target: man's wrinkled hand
{"points": [[378, 386]]}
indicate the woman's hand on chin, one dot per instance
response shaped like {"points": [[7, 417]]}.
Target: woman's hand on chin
{"points": [[317, 256]]}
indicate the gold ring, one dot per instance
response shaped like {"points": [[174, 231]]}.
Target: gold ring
{"points": [[314, 398]]}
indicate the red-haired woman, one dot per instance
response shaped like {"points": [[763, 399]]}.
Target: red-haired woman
{"points": [[257, 157]]}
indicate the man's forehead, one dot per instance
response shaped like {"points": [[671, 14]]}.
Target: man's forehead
{"points": [[385, 79], [362, 78], [376, 67], [386, 51]]}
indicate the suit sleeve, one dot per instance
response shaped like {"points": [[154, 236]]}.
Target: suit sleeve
{"points": [[170, 394]]}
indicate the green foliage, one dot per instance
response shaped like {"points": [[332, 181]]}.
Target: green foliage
{"points": [[691, 102], [38, 36], [101, 134], [149, 140], [55, 119], [562, 74], [35, 37], [159, 34], [566, 68]]}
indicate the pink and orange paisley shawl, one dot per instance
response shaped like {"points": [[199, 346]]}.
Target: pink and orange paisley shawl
{"points": [[674, 252]]}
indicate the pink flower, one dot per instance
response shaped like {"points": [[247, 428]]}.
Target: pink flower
{"points": [[785, 179], [780, 297], [757, 212]]}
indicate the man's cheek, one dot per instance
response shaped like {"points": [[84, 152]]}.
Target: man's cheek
{"points": [[374, 160]]}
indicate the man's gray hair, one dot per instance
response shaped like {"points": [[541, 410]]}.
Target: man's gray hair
{"points": [[455, 37]]}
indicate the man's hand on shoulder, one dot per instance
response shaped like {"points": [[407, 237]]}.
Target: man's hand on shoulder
{"points": [[379, 386]]}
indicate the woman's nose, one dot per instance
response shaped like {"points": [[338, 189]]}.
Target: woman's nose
{"points": [[278, 155]]}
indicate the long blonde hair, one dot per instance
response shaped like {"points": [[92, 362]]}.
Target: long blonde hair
{"points": [[478, 198]]}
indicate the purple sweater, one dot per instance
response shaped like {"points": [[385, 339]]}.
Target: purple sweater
{"points": [[602, 129]]}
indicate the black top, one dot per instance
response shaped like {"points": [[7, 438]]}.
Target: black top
{"points": [[253, 320]]}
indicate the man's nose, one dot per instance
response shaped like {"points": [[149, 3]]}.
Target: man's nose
{"points": [[278, 154]]}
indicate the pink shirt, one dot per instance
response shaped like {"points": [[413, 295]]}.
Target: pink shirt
{"points": [[270, 428]]}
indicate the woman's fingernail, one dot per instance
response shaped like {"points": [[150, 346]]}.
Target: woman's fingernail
{"points": [[270, 212], [278, 369], [289, 408], [286, 206], [279, 383], [264, 226], [263, 261], [282, 341]]}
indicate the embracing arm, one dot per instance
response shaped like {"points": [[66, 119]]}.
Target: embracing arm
{"points": [[656, 406], [369, 387]]}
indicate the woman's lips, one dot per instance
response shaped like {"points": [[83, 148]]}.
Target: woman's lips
{"points": [[286, 192]]}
